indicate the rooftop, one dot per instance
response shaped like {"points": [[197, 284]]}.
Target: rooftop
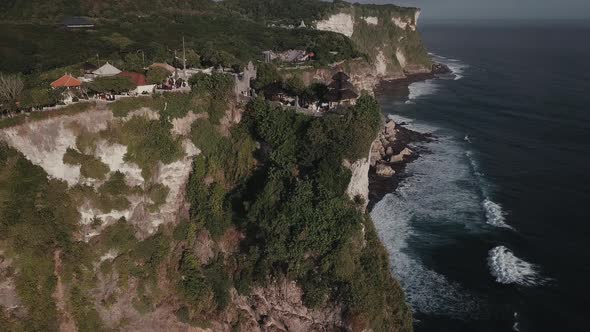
{"points": [[66, 81], [77, 21]]}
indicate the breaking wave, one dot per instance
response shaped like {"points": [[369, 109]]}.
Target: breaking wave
{"points": [[411, 124], [422, 88], [457, 67], [429, 87], [495, 215], [509, 269], [426, 198]]}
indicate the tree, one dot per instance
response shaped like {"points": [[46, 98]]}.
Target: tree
{"points": [[134, 62], [157, 75], [11, 89], [213, 57], [295, 85], [313, 93], [266, 74], [118, 40], [113, 84], [217, 84], [193, 59], [38, 98]]}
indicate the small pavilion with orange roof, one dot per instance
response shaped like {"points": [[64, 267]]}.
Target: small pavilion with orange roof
{"points": [[66, 81]]}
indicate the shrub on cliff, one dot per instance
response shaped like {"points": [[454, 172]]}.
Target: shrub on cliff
{"points": [[301, 225], [37, 217], [114, 84], [148, 142], [90, 166]]}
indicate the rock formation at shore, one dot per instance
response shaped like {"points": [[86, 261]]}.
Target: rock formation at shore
{"points": [[390, 153]]}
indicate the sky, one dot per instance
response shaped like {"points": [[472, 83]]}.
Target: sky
{"points": [[496, 9]]}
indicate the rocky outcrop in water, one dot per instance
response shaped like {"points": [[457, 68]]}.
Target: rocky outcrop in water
{"points": [[390, 154]]}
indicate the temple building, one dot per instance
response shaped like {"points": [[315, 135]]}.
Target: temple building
{"points": [[342, 92]]}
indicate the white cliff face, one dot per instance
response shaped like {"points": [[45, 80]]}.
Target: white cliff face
{"points": [[175, 177], [399, 22], [112, 155], [416, 17], [403, 23], [340, 23], [45, 142], [182, 126], [371, 20], [401, 58], [359, 182], [381, 64]]}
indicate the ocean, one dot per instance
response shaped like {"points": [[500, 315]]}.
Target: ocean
{"points": [[489, 228]]}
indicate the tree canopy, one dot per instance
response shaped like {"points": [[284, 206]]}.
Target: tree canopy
{"points": [[113, 84]]}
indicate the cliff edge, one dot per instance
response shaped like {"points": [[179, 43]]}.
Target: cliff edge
{"points": [[387, 34]]}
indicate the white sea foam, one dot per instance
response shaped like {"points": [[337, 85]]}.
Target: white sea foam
{"points": [[494, 213], [456, 66], [412, 125], [428, 87], [422, 198], [422, 88], [516, 325], [509, 269], [495, 216]]}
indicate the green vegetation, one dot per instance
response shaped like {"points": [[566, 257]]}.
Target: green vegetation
{"points": [[158, 194], [220, 36], [90, 166], [84, 312], [37, 217], [267, 195], [113, 84], [37, 116], [292, 12], [214, 92], [300, 224], [111, 196], [140, 260], [38, 98], [297, 219], [148, 142], [371, 39], [157, 75], [169, 105], [123, 106]]}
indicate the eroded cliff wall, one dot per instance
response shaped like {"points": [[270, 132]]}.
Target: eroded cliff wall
{"points": [[387, 34]]}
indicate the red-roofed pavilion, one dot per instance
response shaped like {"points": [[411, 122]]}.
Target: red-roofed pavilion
{"points": [[66, 81]]}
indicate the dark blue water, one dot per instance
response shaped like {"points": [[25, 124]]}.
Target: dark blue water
{"points": [[490, 231]]}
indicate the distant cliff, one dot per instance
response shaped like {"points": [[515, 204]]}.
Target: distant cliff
{"points": [[387, 34]]}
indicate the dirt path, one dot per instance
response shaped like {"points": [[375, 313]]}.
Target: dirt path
{"points": [[66, 321]]}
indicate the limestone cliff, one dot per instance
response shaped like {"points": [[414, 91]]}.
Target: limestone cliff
{"points": [[118, 298], [46, 142], [387, 34]]}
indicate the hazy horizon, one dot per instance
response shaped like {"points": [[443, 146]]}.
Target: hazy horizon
{"points": [[497, 9]]}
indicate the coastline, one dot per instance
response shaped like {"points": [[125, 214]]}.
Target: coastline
{"points": [[392, 150], [381, 185]]}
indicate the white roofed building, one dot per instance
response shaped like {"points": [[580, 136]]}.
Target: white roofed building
{"points": [[106, 70]]}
